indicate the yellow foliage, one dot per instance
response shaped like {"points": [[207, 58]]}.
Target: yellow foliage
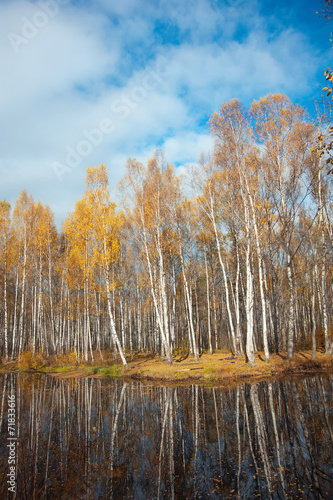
{"points": [[28, 361], [69, 358]]}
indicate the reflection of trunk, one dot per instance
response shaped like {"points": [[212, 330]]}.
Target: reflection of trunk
{"points": [[3, 400], [303, 425], [171, 444], [320, 386], [288, 425], [49, 444], [167, 402], [261, 434], [246, 414], [218, 433], [122, 442], [115, 424], [181, 429], [238, 442], [196, 433], [276, 435]]}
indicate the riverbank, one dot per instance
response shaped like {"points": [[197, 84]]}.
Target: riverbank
{"points": [[220, 368]]}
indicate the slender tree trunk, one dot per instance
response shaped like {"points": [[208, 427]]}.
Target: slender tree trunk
{"points": [[261, 434], [208, 308], [249, 294], [231, 324], [215, 319], [21, 319], [163, 294], [261, 279], [291, 318], [249, 308], [276, 435], [164, 338], [313, 316], [112, 323], [239, 348], [51, 289], [189, 306], [5, 306]]}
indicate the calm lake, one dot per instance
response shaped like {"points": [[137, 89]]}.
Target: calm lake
{"points": [[101, 438]]}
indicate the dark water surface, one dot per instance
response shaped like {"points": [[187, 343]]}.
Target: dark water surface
{"points": [[100, 438]]}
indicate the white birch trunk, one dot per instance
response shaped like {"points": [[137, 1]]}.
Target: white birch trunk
{"points": [[109, 302], [163, 290], [189, 306], [239, 348], [208, 308], [15, 313], [165, 343], [249, 295], [5, 305], [323, 267], [231, 324], [313, 309], [112, 323], [261, 280], [291, 319], [21, 320], [249, 308]]}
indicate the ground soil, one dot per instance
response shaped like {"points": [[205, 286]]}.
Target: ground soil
{"points": [[220, 368]]}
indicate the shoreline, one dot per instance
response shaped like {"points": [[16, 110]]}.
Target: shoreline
{"points": [[218, 369]]}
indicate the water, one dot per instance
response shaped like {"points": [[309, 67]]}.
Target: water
{"points": [[101, 438]]}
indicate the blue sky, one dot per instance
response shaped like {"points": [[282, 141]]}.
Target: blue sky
{"points": [[91, 82]]}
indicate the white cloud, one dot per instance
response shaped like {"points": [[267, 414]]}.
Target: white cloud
{"points": [[91, 62], [187, 146]]}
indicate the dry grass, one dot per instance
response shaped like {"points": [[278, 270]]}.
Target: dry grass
{"points": [[221, 367], [217, 369]]}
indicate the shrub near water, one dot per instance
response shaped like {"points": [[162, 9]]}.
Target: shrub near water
{"points": [[69, 358], [28, 361]]}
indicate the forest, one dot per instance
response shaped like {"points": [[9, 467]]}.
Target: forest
{"points": [[236, 254]]}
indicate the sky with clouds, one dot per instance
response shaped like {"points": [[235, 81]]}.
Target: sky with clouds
{"points": [[99, 81]]}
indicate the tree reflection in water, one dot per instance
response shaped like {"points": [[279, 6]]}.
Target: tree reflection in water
{"points": [[100, 438]]}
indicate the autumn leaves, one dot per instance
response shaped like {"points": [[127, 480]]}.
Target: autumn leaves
{"points": [[244, 264]]}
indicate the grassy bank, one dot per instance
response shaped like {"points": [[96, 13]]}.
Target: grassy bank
{"points": [[219, 368]]}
